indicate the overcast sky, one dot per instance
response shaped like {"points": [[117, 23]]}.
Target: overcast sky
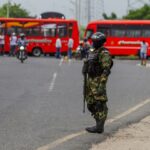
{"points": [[36, 7]]}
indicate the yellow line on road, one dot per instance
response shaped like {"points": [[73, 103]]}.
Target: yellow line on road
{"points": [[74, 135]]}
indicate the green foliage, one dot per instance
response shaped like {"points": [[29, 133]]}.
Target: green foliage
{"points": [[141, 13], [113, 16], [15, 11]]}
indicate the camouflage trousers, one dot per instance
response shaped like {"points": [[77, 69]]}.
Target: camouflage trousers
{"points": [[99, 113], [96, 93]]}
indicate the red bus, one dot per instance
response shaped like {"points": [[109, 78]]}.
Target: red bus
{"points": [[41, 34], [123, 36]]}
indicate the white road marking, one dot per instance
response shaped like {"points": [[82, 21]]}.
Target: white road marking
{"points": [[69, 60], [61, 60], [52, 82], [74, 135], [60, 141], [147, 65], [129, 111]]}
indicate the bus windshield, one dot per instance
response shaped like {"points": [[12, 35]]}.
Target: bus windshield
{"points": [[89, 33]]}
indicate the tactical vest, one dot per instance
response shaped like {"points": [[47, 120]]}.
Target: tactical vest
{"points": [[94, 68]]}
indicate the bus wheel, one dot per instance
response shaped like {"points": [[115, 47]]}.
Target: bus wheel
{"points": [[37, 52]]}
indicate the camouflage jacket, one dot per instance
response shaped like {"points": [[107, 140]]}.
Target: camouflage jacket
{"points": [[96, 87]]}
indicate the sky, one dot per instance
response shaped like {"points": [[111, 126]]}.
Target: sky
{"points": [[36, 7]]}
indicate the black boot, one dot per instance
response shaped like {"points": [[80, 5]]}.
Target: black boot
{"points": [[99, 128]]}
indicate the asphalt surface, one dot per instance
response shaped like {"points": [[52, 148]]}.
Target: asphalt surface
{"points": [[41, 102]]}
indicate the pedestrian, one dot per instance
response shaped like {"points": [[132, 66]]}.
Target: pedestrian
{"points": [[143, 52], [13, 44], [58, 48], [2, 43], [22, 40], [70, 47], [79, 51], [86, 47], [97, 69]]}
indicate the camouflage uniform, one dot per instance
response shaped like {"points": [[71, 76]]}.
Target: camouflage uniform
{"points": [[96, 86]]}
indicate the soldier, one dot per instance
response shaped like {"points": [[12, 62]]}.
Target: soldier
{"points": [[97, 68]]}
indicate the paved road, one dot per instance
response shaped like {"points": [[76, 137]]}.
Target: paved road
{"points": [[41, 102]]}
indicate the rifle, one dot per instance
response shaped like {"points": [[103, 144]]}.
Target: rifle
{"points": [[84, 91], [84, 71]]}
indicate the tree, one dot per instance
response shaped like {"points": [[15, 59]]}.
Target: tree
{"points": [[15, 11], [113, 16], [141, 13]]}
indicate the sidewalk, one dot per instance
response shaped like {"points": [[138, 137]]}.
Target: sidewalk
{"points": [[134, 137]]}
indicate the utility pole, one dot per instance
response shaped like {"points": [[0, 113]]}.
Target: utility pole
{"points": [[7, 9], [8, 4], [77, 4], [77, 8], [89, 10], [79, 14]]}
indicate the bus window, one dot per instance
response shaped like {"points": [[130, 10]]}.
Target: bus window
{"points": [[70, 29], [104, 29], [62, 30], [1, 27], [133, 31], [146, 33], [118, 31], [19, 30], [49, 30], [36, 31], [15, 29], [89, 33], [2, 30]]}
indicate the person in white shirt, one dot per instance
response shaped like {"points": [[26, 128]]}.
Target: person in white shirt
{"points": [[2, 42], [143, 52], [58, 48], [13, 44], [70, 46]]}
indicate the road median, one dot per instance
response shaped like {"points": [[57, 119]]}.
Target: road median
{"points": [[133, 137]]}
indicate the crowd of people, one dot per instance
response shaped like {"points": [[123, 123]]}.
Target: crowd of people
{"points": [[14, 42], [83, 49], [81, 52]]}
